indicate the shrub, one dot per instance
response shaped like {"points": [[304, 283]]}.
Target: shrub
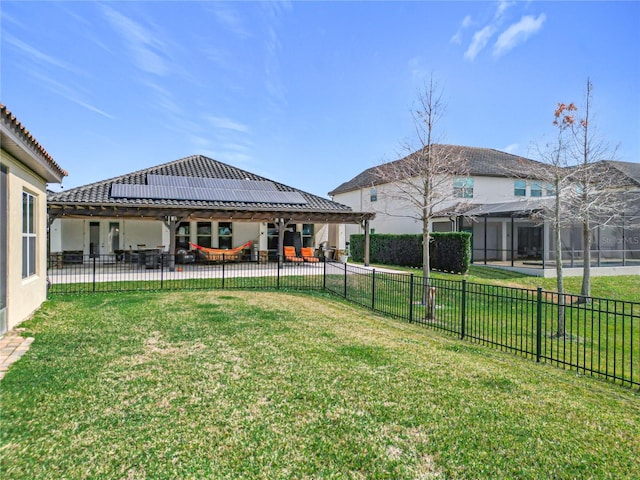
{"points": [[450, 251]]}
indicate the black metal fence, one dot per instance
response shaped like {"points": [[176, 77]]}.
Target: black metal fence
{"points": [[159, 271], [595, 336]]}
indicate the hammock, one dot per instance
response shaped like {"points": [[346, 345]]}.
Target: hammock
{"points": [[220, 254]]}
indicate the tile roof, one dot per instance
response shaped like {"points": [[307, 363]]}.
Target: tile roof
{"points": [[11, 122], [196, 166], [481, 162], [631, 171]]}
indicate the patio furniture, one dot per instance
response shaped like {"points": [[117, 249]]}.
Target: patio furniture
{"points": [[184, 256], [308, 256], [220, 254], [156, 259], [290, 255], [72, 256]]}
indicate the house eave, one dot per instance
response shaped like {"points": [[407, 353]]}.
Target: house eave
{"points": [[57, 210]]}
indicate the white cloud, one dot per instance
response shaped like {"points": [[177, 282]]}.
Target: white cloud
{"points": [[517, 33], [511, 148], [146, 47], [466, 22], [417, 68], [480, 40], [69, 91], [38, 56], [230, 19], [227, 124], [503, 5]]}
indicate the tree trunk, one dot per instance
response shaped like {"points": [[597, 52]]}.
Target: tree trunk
{"points": [[426, 260], [561, 330], [585, 292], [428, 298]]}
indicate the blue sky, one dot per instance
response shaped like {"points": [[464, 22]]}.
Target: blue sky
{"points": [[307, 93]]}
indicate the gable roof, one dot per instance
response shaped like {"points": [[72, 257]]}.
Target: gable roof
{"points": [[139, 194], [18, 141], [480, 162], [630, 171]]}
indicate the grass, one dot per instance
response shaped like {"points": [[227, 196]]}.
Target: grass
{"points": [[273, 385], [601, 337], [624, 287]]}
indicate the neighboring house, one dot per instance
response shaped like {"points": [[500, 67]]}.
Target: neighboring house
{"points": [[192, 200], [499, 201], [25, 170], [491, 177]]}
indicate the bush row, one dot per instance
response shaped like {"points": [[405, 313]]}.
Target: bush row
{"points": [[448, 251]]}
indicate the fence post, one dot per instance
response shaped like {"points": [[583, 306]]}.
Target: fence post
{"points": [[411, 298], [324, 275], [373, 289], [463, 310], [93, 283], [345, 280], [539, 325], [279, 267], [223, 271], [161, 271]]}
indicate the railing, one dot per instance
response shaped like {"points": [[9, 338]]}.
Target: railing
{"points": [[603, 257], [598, 337], [115, 273], [592, 336]]}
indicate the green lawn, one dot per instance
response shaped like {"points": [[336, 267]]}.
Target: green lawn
{"points": [[624, 287], [277, 385]]}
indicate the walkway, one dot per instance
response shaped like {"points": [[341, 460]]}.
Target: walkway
{"points": [[12, 347]]}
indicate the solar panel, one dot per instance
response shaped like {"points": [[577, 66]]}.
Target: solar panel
{"points": [[172, 192], [202, 182]]}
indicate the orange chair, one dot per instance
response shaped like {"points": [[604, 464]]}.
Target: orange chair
{"points": [[307, 255], [291, 256]]}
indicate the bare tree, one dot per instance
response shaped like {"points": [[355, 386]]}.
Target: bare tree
{"points": [[554, 172], [421, 183], [598, 203]]}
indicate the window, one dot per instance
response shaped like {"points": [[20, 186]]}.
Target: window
{"points": [[203, 232], [536, 189], [373, 195], [551, 190], [463, 187], [307, 234], [28, 235], [225, 235], [272, 237], [520, 188], [183, 235]]}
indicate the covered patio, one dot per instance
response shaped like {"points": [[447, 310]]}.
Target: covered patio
{"points": [[190, 203], [516, 236]]}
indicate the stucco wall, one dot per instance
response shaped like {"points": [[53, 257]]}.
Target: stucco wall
{"points": [[24, 296], [394, 215], [73, 234]]}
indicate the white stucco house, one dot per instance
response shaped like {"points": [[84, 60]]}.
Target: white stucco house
{"points": [[194, 200], [25, 170], [498, 200]]}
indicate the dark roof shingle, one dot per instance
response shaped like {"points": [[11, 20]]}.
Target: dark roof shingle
{"points": [[197, 166], [11, 122], [480, 161]]}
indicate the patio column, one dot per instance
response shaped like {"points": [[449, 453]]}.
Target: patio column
{"points": [[513, 240], [624, 243], [503, 228], [282, 224], [171, 223], [367, 243], [485, 240], [545, 243]]}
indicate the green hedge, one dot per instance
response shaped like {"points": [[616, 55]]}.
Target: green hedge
{"points": [[449, 251]]}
